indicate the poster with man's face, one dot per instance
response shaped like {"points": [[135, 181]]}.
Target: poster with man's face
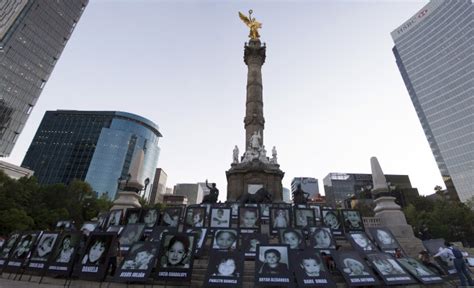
{"points": [[310, 269], [352, 221], [95, 260], [250, 243], [389, 269], [137, 265], [445, 262], [64, 252], [249, 220], [225, 269], [331, 219], [132, 215], [304, 217], [225, 239], [176, 257], [419, 271], [43, 251], [280, 218], [361, 242], [292, 237], [272, 266], [220, 217], [131, 233], [21, 252], [384, 239], [171, 216], [115, 218], [354, 269]]}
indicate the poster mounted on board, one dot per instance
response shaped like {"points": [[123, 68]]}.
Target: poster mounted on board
{"points": [[272, 266], [176, 257], [137, 265], [64, 253], [225, 269]]}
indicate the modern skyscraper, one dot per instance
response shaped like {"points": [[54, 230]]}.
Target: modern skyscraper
{"points": [[159, 186], [193, 192], [433, 51], [33, 34], [308, 184], [94, 146]]}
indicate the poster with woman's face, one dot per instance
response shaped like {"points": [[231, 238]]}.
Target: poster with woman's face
{"points": [[304, 217], [195, 217], [249, 220], [384, 239], [419, 271], [272, 266], [130, 234], [433, 246], [292, 237], [63, 254], [322, 238], [21, 252], [280, 218], [150, 217], [354, 269], [137, 265], [250, 243], [95, 260], [132, 215], [115, 218], [43, 251], [201, 234], [361, 242], [171, 216], [310, 269], [176, 257], [220, 217], [225, 269], [389, 269], [225, 239], [352, 221], [331, 220]]}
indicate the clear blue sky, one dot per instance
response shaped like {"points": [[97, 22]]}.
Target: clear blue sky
{"points": [[333, 95]]}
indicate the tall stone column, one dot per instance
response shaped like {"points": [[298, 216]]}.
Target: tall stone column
{"points": [[254, 57]]}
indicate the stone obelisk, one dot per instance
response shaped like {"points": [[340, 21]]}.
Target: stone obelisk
{"points": [[255, 170]]}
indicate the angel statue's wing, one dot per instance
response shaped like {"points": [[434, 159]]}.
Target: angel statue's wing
{"points": [[244, 18]]}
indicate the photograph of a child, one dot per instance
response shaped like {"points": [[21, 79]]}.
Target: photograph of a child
{"points": [[331, 219], [177, 250], [321, 238], [97, 249], [226, 264], [171, 217], [415, 267], [249, 218], [24, 246], [115, 218], [131, 234], [265, 211], [279, 218], [132, 215], [9, 245], [150, 217], [352, 221], [384, 238], [225, 239], [250, 242], [45, 247], [65, 251], [309, 264], [234, 206], [195, 217], [272, 260], [140, 257], [220, 217], [385, 264], [293, 238], [361, 242], [304, 217], [158, 232]]}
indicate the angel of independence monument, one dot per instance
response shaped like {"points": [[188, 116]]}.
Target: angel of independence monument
{"points": [[254, 177]]}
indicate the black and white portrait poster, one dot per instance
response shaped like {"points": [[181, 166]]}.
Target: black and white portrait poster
{"points": [[322, 238], [234, 206], [95, 260], [389, 269], [352, 221], [171, 216], [292, 237], [137, 265], [132, 215], [317, 211], [265, 211], [361, 242], [437, 245], [249, 220], [176, 257], [354, 269], [220, 217], [419, 271], [384, 239], [225, 239], [331, 219], [280, 218], [43, 251], [8, 247], [201, 234], [131, 233], [250, 243], [310, 269], [63, 254], [150, 218], [195, 217], [272, 266], [64, 225], [21, 252], [304, 217], [158, 232], [115, 218], [225, 269]]}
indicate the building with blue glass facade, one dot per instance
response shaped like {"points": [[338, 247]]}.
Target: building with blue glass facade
{"points": [[93, 146], [434, 53], [33, 34]]}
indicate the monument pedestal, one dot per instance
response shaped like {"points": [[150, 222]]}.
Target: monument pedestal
{"points": [[127, 199], [241, 176]]}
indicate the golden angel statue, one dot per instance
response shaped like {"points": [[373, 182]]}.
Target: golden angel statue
{"points": [[252, 24]]}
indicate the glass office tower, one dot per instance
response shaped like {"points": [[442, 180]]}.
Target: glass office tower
{"points": [[434, 53], [93, 146], [33, 34]]}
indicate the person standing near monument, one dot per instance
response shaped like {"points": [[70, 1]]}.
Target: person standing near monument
{"points": [[213, 192], [457, 257]]}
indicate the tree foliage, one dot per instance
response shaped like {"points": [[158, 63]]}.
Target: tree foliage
{"points": [[24, 204]]}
